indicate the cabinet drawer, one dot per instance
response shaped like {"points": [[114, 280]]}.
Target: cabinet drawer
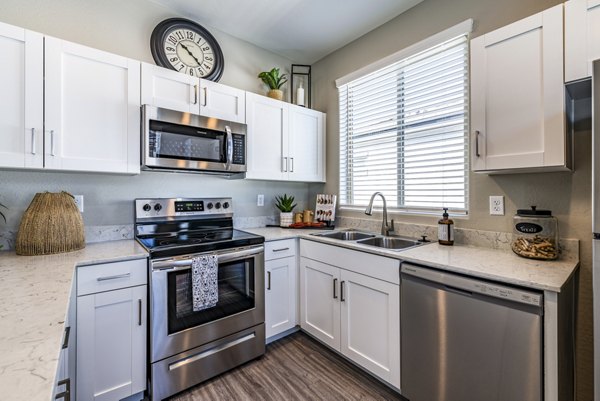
{"points": [[280, 249], [111, 276]]}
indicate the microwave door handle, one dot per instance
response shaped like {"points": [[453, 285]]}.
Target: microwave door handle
{"points": [[229, 149]]}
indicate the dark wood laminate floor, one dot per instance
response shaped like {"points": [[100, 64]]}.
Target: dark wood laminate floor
{"points": [[293, 368]]}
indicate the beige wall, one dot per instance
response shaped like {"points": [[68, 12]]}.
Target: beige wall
{"points": [[566, 194], [124, 28]]}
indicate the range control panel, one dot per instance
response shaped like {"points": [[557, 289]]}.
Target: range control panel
{"points": [[180, 207]]}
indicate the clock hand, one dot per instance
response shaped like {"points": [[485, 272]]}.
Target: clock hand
{"points": [[190, 53]]}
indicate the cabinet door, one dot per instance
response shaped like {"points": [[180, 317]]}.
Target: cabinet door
{"points": [[21, 103], [319, 301], [280, 297], [92, 105], [306, 146], [370, 324], [111, 344], [267, 127], [223, 102], [517, 95], [169, 89], [582, 38]]}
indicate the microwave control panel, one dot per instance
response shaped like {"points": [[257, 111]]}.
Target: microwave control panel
{"points": [[239, 149]]}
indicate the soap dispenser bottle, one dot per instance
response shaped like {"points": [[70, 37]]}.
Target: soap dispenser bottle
{"points": [[446, 229]]}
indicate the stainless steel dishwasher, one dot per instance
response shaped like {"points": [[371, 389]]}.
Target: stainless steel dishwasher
{"points": [[466, 339]]}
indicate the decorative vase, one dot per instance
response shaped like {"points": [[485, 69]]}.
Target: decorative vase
{"points": [[275, 94], [286, 219], [51, 224]]}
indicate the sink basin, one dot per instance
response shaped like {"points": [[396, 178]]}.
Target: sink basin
{"points": [[346, 235], [389, 243]]}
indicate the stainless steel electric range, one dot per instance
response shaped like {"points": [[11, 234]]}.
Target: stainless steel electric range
{"points": [[187, 347]]}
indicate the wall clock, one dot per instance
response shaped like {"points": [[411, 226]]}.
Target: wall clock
{"points": [[183, 45]]}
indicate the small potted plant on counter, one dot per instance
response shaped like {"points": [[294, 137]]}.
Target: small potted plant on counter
{"points": [[285, 204], [274, 81]]}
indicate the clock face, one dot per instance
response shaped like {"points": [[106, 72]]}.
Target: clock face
{"points": [[185, 46], [188, 52]]}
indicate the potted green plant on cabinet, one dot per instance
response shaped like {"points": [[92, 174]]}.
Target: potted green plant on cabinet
{"points": [[285, 204], [274, 81]]}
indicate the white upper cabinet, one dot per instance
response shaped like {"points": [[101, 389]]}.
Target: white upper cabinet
{"points": [[517, 96], [285, 142], [169, 89], [222, 101], [306, 146], [582, 38], [92, 101], [267, 121], [21, 103]]}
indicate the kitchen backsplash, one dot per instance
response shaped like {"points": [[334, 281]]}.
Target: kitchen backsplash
{"points": [[463, 236]]}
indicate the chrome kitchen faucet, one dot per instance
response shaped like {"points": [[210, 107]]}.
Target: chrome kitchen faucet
{"points": [[385, 228]]}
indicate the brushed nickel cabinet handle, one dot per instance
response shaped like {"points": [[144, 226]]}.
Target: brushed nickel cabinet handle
{"points": [[477, 144], [334, 288], [52, 142], [66, 338], [205, 96], [281, 249], [342, 291], [195, 94], [268, 280], [65, 395], [284, 164], [291, 164], [33, 150], [106, 278]]}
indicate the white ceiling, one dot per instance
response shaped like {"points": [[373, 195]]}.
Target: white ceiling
{"points": [[301, 30]]}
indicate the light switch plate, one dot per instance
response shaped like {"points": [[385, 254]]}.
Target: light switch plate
{"points": [[260, 200], [79, 202], [497, 205]]}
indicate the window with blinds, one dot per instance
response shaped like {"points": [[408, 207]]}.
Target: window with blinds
{"points": [[403, 132]]}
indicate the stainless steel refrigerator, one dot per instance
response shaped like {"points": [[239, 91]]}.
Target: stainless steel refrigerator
{"points": [[596, 220]]}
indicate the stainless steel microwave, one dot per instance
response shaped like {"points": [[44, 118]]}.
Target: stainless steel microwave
{"points": [[185, 142]]}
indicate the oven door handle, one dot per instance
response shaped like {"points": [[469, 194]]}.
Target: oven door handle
{"points": [[182, 264]]}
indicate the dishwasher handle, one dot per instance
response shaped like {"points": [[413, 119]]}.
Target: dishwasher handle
{"points": [[469, 286]]}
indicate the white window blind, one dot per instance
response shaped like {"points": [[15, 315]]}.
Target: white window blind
{"points": [[403, 132]]}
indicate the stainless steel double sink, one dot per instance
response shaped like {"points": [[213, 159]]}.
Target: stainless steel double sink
{"points": [[389, 242]]}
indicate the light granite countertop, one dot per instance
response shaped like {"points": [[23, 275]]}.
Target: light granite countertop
{"points": [[34, 297], [494, 264]]}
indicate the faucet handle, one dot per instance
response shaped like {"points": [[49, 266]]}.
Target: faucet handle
{"points": [[391, 226]]}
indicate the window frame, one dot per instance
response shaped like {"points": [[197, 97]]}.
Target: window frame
{"points": [[459, 30]]}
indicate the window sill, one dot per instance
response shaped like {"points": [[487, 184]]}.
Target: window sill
{"points": [[462, 215]]}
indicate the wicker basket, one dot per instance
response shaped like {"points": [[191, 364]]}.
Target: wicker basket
{"points": [[51, 224]]}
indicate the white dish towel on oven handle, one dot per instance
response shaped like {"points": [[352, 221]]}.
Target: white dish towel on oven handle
{"points": [[205, 286]]}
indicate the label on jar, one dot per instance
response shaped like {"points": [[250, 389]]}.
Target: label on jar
{"points": [[445, 232], [529, 228]]}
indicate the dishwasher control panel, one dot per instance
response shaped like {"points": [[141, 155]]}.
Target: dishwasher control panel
{"points": [[466, 285]]}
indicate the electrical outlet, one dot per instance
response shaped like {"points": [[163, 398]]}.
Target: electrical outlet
{"points": [[260, 200], [79, 202], [497, 205]]}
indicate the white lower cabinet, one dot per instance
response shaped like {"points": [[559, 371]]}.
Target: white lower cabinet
{"points": [[319, 301], [370, 333], [350, 301], [280, 284], [111, 337], [64, 389]]}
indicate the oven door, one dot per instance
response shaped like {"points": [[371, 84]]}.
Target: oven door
{"points": [[175, 327], [184, 141]]}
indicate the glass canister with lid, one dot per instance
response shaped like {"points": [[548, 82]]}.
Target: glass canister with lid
{"points": [[535, 234]]}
